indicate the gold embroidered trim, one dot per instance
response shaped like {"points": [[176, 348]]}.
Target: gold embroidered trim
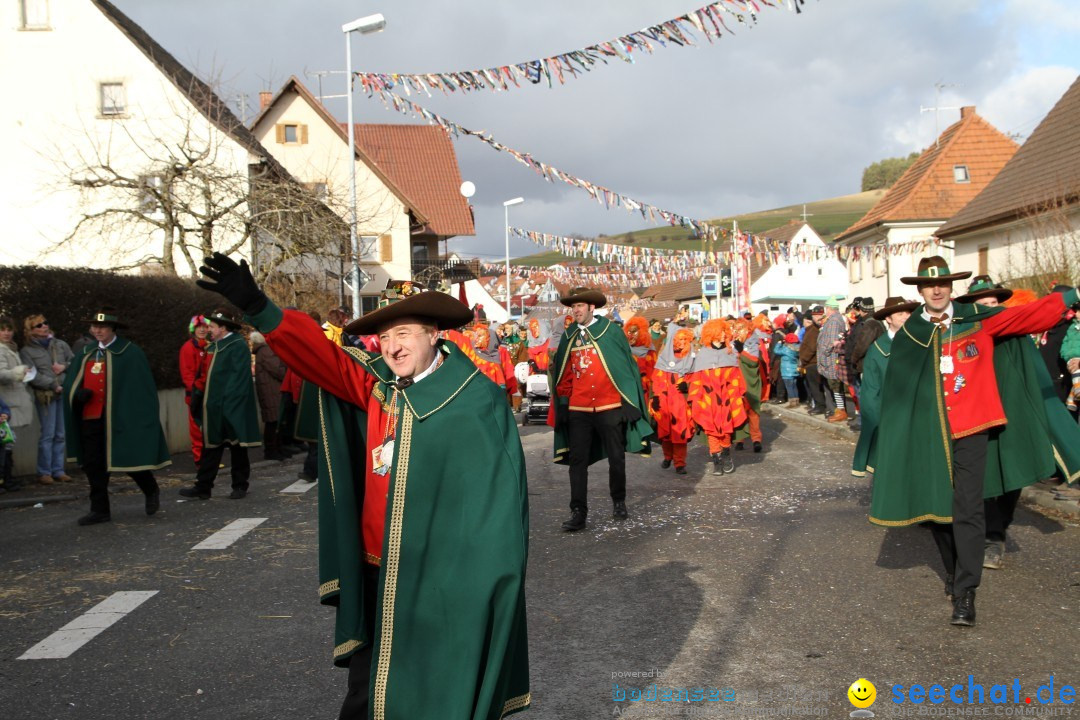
{"points": [[372, 559], [445, 402], [1061, 464], [943, 420], [979, 428], [517, 703], [326, 446], [346, 647], [870, 469], [912, 521], [329, 587], [858, 473], [602, 408], [393, 556]]}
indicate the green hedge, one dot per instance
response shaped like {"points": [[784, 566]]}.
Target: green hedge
{"points": [[156, 309]]}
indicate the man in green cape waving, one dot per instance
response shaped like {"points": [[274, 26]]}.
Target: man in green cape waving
{"points": [[599, 403], [940, 402], [423, 507]]}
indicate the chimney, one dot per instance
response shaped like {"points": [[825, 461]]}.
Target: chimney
{"points": [[264, 99], [966, 111]]}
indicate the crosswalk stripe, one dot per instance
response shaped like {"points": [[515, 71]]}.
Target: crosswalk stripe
{"points": [[300, 486], [86, 627], [229, 534]]}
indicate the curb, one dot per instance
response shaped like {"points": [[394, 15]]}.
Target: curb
{"points": [[1035, 495], [31, 501], [800, 417]]}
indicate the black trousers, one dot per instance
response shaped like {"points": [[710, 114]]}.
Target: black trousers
{"points": [[95, 465], [271, 440], [962, 543], [813, 385], [999, 515], [357, 697], [239, 467], [311, 460], [585, 428]]}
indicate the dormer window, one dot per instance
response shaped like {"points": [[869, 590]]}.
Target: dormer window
{"points": [[34, 15], [960, 174]]}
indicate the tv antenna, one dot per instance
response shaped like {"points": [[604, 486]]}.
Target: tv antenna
{"points": [[938, 87]]}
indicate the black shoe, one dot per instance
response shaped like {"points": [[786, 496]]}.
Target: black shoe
{"points": [[815, 411], [855, 426], [994, 555], [153, 502], [948, 587], [964, 609], [666, 464], [739, 445], [681, 470], [93, 518], [717, 469], [727, 460], [757, 446], [238, 494], [619, 510], [305, 477], [195, 492], [576, 521]]}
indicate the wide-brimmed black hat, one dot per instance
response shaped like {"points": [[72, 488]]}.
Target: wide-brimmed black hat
{"points": [[982, 286], [225, 318], [895, 304], [584, 295], [106, 316], [446, 312], [934, 269]]}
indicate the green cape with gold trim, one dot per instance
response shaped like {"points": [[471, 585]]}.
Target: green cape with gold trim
{"points": [[622, 369], [134, 439], [229, 414], [873, 377], [913, 474], [451, 638]]}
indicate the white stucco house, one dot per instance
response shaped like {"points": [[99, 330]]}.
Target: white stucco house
{"points": [[1025, 224], [107, 127], [945, 177], [804, 280]]}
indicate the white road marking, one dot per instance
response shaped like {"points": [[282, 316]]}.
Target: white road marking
{"points": [[300, 486], [86, 627], [229, 534]]}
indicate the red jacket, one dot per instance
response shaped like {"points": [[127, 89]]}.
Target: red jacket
{"points": [[972, 402], [192, 355]]}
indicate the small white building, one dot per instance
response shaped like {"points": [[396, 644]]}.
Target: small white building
{"points": [[887, 243], [800, 281], [1024, 226], [102, 114]]}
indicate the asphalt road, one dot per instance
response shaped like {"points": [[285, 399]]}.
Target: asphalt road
{"points": [[768, 585]]}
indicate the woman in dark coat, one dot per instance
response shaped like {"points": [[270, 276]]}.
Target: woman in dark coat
{"points": [[269, 372]]}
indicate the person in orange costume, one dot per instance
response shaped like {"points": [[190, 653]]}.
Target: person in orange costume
{"points": [[717, 390], [539, 342], [669, 406], [480, 345], [637, 334], [754, 337]]}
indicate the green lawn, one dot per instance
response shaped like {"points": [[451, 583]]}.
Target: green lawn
{"points": [[828, 217]]}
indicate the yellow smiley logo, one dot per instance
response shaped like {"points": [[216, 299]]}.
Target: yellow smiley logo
{"points": [[862, 693]]}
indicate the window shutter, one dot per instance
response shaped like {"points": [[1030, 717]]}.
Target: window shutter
{"points": [[279, 133], [984, 259], [303, 134], [386, 248]]}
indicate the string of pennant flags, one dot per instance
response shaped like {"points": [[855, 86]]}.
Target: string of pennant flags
{"points": [[602, 195], [635, 259], [709, 20]]}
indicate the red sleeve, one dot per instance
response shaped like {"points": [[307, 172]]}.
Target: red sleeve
{"points": [[302, 345], [189, 364], [1035, 317], [508, 370]]}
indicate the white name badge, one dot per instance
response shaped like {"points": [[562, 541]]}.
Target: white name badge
{"points": [[946, 365]]}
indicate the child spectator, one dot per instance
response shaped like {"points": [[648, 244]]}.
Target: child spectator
{"points": [[7, 446], [1070, 353], [788, 353]]}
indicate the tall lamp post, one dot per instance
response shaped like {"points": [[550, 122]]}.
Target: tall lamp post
{"points": [[365, 26], [506, 208]]}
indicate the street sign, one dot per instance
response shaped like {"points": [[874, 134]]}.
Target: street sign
{"points": [[725, 283], [710, 283]]}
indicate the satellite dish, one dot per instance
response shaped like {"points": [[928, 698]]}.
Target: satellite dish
{"points": [[468, 189]]}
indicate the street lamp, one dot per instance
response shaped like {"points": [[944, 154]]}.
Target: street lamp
{"points": [[364, 26], [506, 208]]}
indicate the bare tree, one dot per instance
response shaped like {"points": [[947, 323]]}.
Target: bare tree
{"points": [[1048, 250]]}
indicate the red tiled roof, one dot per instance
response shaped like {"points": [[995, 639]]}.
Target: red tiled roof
{"points": [[1044, 172], [420, 160], [928, 190]]}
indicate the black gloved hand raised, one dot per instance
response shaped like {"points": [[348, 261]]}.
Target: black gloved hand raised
{"points": [[232, 281]]}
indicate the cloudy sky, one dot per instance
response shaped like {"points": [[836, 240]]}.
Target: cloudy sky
{"points": [[788, 111]]}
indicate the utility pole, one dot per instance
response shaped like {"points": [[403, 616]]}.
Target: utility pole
{"points": [[241, 100]]}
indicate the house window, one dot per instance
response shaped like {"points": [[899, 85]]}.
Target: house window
{"points": [[150, 194], [34, 14], [854, 269], [113, 98], [960, 173], [879, 262], [291, 133], [984, 259], [368, 303]]}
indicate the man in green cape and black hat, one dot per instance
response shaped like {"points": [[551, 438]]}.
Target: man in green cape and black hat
{"points": [[423, 507], [599, 403], [940, 404], [111, 414]]}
